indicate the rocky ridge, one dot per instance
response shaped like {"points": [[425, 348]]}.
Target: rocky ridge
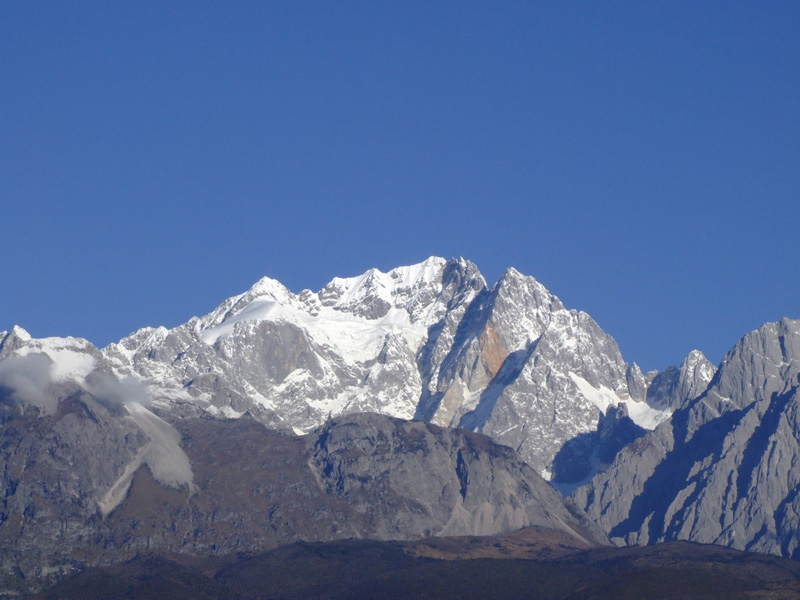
{"points": [[724, 469]]}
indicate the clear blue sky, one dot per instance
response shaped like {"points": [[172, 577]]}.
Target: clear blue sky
{"points": [[640, 159]]}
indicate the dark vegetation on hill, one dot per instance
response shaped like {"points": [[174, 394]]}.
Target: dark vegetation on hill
{"points": [[527, 564]]}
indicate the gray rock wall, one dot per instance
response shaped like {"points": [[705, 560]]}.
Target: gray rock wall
{"points": [[725, 469]]}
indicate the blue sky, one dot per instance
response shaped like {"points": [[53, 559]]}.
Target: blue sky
{"points": [[640, 159]]}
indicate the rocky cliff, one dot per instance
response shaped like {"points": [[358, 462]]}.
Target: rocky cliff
{"points": [[724, 469]]}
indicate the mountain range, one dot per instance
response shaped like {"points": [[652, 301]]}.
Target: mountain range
{"points": [[431, 342], [377, 393]]}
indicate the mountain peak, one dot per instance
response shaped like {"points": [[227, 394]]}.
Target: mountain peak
{"points": [[374, 293], [272, 288], [21, 333], [511, 274], [695, 361], [762, 363], [424, 272], [511, 280]]}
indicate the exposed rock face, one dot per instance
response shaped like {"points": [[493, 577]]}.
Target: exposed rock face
{"points": [[101, 480], [526, 371], [410, 478], [63, 472], [724, 469]]}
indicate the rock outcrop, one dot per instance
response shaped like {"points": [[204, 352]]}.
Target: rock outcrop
{"points": [[103, 479]]}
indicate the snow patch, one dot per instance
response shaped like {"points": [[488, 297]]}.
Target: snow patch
{"points": [[354, 338], [71, 365], [71, 357], [640, 412], [258, 310], [645, 415], [425, 272], [602, 398]]}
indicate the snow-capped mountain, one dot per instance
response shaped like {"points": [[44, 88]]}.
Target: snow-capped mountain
{"points": [[296, 358], [692, 452], [724, 469], [429, 341]]}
